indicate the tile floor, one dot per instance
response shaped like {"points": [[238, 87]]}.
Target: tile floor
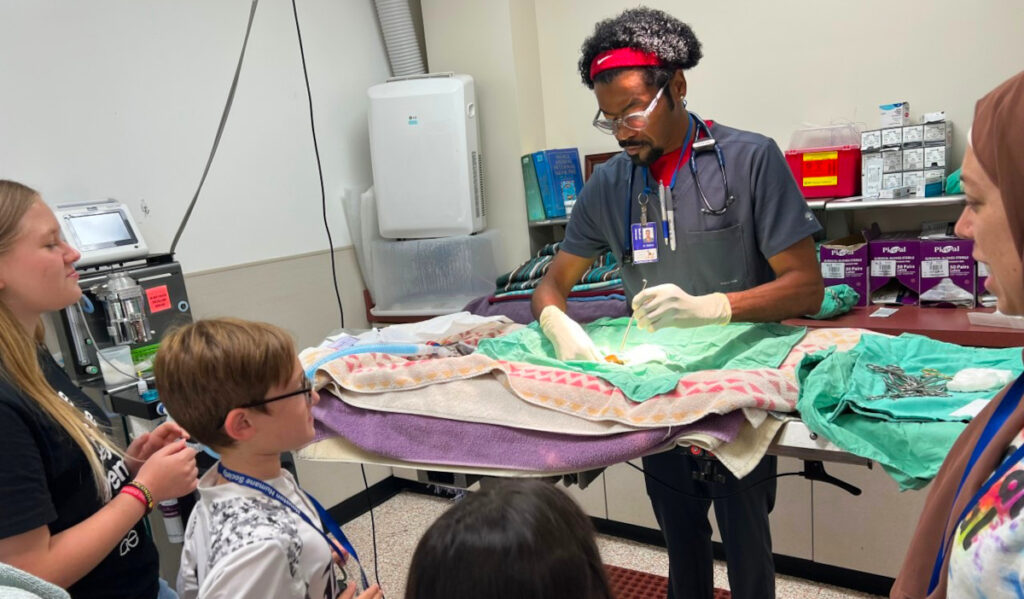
{"points": [[402, 520]]}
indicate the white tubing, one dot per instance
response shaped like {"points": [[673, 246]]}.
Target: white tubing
{"points": [[400, 37]]}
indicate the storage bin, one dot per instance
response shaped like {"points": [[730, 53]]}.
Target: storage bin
{"points": [[826, 160], [428, 277], [826, 172]]}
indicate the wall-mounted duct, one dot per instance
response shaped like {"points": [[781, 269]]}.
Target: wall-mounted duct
{"points": [[400, 40]]}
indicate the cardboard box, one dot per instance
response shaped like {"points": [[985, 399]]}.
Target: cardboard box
{"points": [[846, 261], [871, 174], [913, 160], [892, 161], [915, 179], [892, 180], [894, 269], [938, 133], [871, 141], [933, 176], [896, 193], [896, 114], [913, 135], [985, 297], [892, 138], [935, 157], [948, 274]]}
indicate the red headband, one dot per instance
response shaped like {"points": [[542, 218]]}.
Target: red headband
{"points": [[622, 57]]}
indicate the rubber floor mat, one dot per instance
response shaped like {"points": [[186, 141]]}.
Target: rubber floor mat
{"points": [[631, 584]]}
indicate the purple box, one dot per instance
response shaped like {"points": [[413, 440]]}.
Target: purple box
{"points": [[947, 272], [894, 269], [985, 297], [846, 261]]}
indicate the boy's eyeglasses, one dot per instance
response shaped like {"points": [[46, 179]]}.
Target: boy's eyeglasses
{"points": [[307, 390], [637, 121]]}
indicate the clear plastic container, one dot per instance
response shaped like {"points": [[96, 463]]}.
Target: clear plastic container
{"points": [[846, 134], [425, 277]]}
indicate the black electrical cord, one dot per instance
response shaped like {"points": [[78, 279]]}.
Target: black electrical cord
{"points": [[334, 268], [220, 130], [319, 170], [713, 497], [373, 527]]}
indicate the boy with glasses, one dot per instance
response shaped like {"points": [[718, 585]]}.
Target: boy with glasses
{"points": [[239, 388]]}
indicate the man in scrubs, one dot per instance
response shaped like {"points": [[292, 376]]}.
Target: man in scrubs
{"points": [[735, 247]]}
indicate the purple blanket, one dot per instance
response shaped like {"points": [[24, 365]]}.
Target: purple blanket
{"points": [[519, 310], [455, 443]]}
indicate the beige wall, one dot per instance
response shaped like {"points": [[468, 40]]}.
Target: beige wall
{"points": [[772, 66], [480, 38], [294, 293]]}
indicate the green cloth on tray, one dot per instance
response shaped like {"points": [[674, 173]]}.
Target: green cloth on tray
{"points": [[739, 346], [910, 436]]}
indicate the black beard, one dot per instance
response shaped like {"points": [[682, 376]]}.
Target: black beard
{"points": [[655, 154]]}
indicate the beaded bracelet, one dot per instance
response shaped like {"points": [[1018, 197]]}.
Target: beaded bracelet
{"points": [[140, 492]]}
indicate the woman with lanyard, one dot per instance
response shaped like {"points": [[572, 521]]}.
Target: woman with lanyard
{"points": [[72, 502], [969, 541]]}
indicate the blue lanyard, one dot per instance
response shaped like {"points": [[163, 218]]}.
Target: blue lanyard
{"points": [[687, 142], [325, 518], [627, 249], [1006, 407]]}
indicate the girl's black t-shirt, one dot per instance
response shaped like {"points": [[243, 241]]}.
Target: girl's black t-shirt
{"points": [[45, 480]]}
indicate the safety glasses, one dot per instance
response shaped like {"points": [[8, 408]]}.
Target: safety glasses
{"points": [[637, 121]]}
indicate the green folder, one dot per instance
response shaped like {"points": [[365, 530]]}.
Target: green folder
{"points": [[534, 203]]}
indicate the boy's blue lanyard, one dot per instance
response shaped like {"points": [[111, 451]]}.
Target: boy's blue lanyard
{"points": [[325, 518], [1006, 407], [688, 141]]}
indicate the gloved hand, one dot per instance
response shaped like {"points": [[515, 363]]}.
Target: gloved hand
{"points": [[669, 306], [570, 340]]}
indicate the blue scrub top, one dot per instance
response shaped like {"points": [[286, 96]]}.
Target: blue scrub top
{"points": [[713, 253]]}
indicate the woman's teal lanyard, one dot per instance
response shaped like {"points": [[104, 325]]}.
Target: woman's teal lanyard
{"points": [[1006, 407], [325, 518]]}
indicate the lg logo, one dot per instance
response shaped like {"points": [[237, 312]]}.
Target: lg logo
{"points": [[129, 542]]}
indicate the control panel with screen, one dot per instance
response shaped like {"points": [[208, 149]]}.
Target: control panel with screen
{"points": [[102, 231]]}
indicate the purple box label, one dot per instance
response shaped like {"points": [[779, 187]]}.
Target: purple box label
{"points": [[946, 263], [897, 259], [846, 264]]}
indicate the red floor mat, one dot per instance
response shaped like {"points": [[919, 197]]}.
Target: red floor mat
{"points": [[630, 584]]}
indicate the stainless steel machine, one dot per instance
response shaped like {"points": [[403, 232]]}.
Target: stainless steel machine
{"points": [[108, 339]]}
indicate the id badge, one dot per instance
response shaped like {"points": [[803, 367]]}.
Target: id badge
{"points": [[645, 243]]}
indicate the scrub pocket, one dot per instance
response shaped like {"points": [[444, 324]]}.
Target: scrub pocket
{"points": [[719, 259]]}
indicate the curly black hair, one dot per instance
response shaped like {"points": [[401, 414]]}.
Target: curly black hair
{"points": [[645, 29]]}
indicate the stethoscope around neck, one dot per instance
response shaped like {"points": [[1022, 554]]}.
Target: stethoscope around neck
{"points": [[699, 146]]}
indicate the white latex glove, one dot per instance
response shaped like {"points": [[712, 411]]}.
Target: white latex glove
{"points": [[570, 340], [669, 306]]}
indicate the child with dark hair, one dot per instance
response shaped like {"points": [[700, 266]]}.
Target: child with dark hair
{"points": [[521, 538]]}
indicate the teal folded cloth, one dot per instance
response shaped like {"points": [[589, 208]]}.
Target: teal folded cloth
{"points": [[839, 299], [908, 436], [953, 183], [528, 274], [737, 346], [612, 284]]}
